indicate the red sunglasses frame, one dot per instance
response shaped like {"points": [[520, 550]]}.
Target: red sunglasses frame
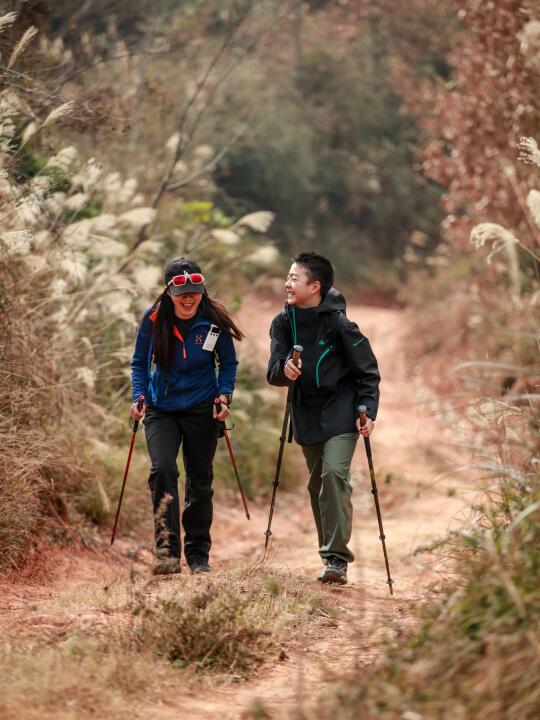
{"points": [[181, 280]]}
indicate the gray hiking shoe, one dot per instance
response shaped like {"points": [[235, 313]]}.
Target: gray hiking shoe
{"points": [[166, 566], [335, 572], [199, 566]]}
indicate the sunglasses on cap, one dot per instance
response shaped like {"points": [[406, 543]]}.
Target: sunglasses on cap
{"points": [[181, 280]]}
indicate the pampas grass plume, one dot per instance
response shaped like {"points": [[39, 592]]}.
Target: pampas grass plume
{"points": [[17, 242], [264, 256], [138, 217], [533, 203], [61, 111], [7, 20], [227, 237], [529, 154], [258, 221], [23, 43]]}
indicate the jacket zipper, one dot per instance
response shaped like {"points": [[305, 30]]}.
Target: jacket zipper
{"points": [[325, 353], [178, 334]]}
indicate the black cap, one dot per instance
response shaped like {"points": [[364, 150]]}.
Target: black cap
{"points": [[183, 266]]}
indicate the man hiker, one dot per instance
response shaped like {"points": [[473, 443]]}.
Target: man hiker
{"points": [[337, 372]]}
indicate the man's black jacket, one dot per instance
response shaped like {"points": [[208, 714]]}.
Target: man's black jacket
{"points": [[339, 369]]}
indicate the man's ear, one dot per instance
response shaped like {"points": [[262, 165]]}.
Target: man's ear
{"points": [[316, 287]]}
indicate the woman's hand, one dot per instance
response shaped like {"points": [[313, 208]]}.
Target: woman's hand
{"points": [[366, 429], [137, 414], [291, 370], [223, 414]]}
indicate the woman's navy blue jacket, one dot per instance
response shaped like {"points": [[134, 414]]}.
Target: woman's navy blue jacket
{"points": [[192, 379]]}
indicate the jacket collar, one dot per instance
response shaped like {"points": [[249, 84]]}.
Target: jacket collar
{"points": [[333, 302]]}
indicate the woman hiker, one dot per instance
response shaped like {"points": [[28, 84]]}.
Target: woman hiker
{"points": [[338, 371], [183, 334]]}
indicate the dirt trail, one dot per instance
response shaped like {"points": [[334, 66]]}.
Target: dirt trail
{"points": [[410, 449]]}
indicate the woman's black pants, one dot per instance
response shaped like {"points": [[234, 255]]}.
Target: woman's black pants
{"points": [[197, 432]]}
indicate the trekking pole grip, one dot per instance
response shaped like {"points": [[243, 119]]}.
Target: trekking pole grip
{"points": [[297, 351], [362, 414], [140, 404]]}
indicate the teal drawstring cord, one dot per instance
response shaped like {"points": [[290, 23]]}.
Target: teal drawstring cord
{"points": [[294, 327], [293, 324]]}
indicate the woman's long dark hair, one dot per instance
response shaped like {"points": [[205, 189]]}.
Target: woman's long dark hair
{"points": [[164, 340]]}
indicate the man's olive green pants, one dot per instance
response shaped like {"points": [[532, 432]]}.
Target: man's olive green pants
{"points": [[330, 489]]}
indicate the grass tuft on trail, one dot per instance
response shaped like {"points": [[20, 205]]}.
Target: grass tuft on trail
{"points": [[114, 651]]}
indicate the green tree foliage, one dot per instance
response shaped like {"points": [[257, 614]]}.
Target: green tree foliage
{"points": [[327, 144], [333, 155]]}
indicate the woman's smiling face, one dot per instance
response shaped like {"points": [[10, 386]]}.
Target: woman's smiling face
{"points": [[185, 306]]}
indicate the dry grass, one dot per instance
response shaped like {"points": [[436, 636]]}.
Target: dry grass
{"points": [[228, 623], [33, 465], [106, 651], [47, 468], [476, 653], [76, 678]]}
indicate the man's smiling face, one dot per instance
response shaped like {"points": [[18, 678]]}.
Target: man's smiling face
{"points": [[301, 291]]}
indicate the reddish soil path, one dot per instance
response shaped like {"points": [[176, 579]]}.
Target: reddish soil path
{"points": [[410, 449]]}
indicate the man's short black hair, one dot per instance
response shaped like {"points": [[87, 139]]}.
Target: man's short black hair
{"points": [[318, 268]]}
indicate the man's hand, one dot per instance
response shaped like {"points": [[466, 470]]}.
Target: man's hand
{"points": [[223, 414], [291, 371], [137, 414], [366, 429]]}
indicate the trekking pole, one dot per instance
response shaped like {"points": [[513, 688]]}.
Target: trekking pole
{"points": [[363, 421], [297, 349], [244, 501], [135, 428]]}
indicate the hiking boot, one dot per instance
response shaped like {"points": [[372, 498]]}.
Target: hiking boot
{"points": [[335, 572], [199, 566], [166, 566]]}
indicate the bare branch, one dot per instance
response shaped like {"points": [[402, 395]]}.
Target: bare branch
{"points": [[183, 117], [210, 165]]}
